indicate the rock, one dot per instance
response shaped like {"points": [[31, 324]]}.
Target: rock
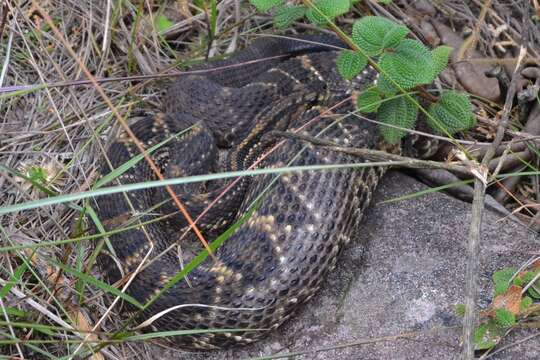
{"points": [[393, 293]]}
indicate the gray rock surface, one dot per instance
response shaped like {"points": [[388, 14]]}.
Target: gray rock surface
{"points": [[393, 293]]}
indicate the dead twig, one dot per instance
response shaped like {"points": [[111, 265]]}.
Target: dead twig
{"points": [[376, 155], [473, 246]]}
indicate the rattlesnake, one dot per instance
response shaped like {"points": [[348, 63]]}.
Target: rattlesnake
{"points": [[278, 258]]}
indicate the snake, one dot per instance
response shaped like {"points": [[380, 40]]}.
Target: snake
{"points": [[285, 229]]}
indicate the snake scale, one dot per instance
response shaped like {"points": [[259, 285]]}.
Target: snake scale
{"points": [[277, 259]]}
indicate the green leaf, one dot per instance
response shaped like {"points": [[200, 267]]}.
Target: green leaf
{"points": [[265, 5], [533, 293], [350, 63], [460, 309], [287, 14], [525, 303], [440, 54], [394, 36], [329, 9], [400, 112], [410, 64], [452, 112], [386, 87], [529, 276], [504, 318], [501, 279], [369, 101], [486, 336], [518, 281], [374, 33], [162, 23]]}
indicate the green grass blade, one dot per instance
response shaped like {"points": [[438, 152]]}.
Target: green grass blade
{"points": [[99, 284], [185, 180]]}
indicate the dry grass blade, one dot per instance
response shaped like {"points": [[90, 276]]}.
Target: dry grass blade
{"points": [[123, 122], [473, 246]]}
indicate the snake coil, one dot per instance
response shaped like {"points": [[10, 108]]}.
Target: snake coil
{"points": [[278, 258]]}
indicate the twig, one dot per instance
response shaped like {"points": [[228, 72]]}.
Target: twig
{"points": [[376, 155], [473, 246], [521, 341], [125, 126], [4, 19]]}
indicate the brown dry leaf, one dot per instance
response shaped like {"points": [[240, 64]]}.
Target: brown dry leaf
{"points": [[82, 324], [510, 300]]}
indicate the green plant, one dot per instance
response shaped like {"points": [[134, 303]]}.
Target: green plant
{"points": [[404, 66], [516, 300]]}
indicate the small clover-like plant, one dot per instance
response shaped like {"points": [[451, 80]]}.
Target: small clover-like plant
{"points": [[404, 65], [517, 298]]}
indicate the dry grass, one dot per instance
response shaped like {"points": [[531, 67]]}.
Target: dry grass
{"points": [[63, 130]]}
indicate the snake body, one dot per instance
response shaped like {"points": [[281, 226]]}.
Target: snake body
{"points": [[277, 259]]}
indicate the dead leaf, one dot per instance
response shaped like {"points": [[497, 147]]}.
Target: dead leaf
{"points": [[510, 300], [82, 324]]}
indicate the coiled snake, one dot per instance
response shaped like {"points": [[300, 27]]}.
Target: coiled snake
{"points": [[278, 258]]}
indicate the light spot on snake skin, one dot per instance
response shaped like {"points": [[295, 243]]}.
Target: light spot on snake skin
{"points": [[306, 63], [263, 84], [286, 74], [135, 259], [164, 279], [265, 223], [221, 268]]}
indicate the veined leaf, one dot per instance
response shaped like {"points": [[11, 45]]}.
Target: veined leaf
{"points": [[504, 318], [330, 9], [440, 54], [374, 33], [350, 63], [452, 112], [285, 15], [265, 5], [400, 112], [369, 100], [410, 64]]}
